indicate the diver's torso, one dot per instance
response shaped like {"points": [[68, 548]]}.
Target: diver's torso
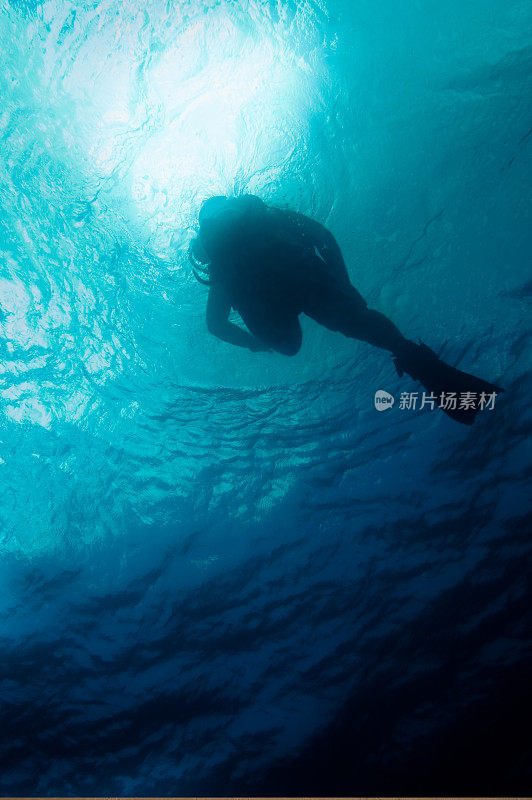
{"points": [[266, 263]]}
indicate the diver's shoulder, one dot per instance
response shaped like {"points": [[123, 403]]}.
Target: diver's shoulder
{"points": [[299, 223]]}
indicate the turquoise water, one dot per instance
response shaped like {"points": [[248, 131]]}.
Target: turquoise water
{"points": [[225, 572]]}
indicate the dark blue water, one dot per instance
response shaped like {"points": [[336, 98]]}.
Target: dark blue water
{"points": [[224, 572]]}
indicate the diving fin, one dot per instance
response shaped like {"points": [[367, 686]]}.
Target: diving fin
{"points": [[423, 365]]}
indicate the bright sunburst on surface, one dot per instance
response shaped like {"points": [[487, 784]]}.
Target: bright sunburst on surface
{"points": [[163, 121]]}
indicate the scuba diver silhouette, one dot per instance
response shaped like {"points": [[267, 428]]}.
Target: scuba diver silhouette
{"points": [[272, 265]]}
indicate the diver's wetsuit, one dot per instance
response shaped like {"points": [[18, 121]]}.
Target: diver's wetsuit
{"points": [[271, 265]]}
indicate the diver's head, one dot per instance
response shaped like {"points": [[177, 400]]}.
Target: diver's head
{"points": [[220, 217], [212, 221], [210, 208]]}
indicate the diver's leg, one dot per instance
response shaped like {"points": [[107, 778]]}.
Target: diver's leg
{"points": [[346, 311], [374, 327], [343, 309]]}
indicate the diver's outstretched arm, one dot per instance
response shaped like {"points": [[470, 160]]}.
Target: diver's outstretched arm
{"points": [[218, 308]]}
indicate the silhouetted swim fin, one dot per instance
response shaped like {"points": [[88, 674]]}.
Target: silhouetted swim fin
{"points": [[422, 364]]}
